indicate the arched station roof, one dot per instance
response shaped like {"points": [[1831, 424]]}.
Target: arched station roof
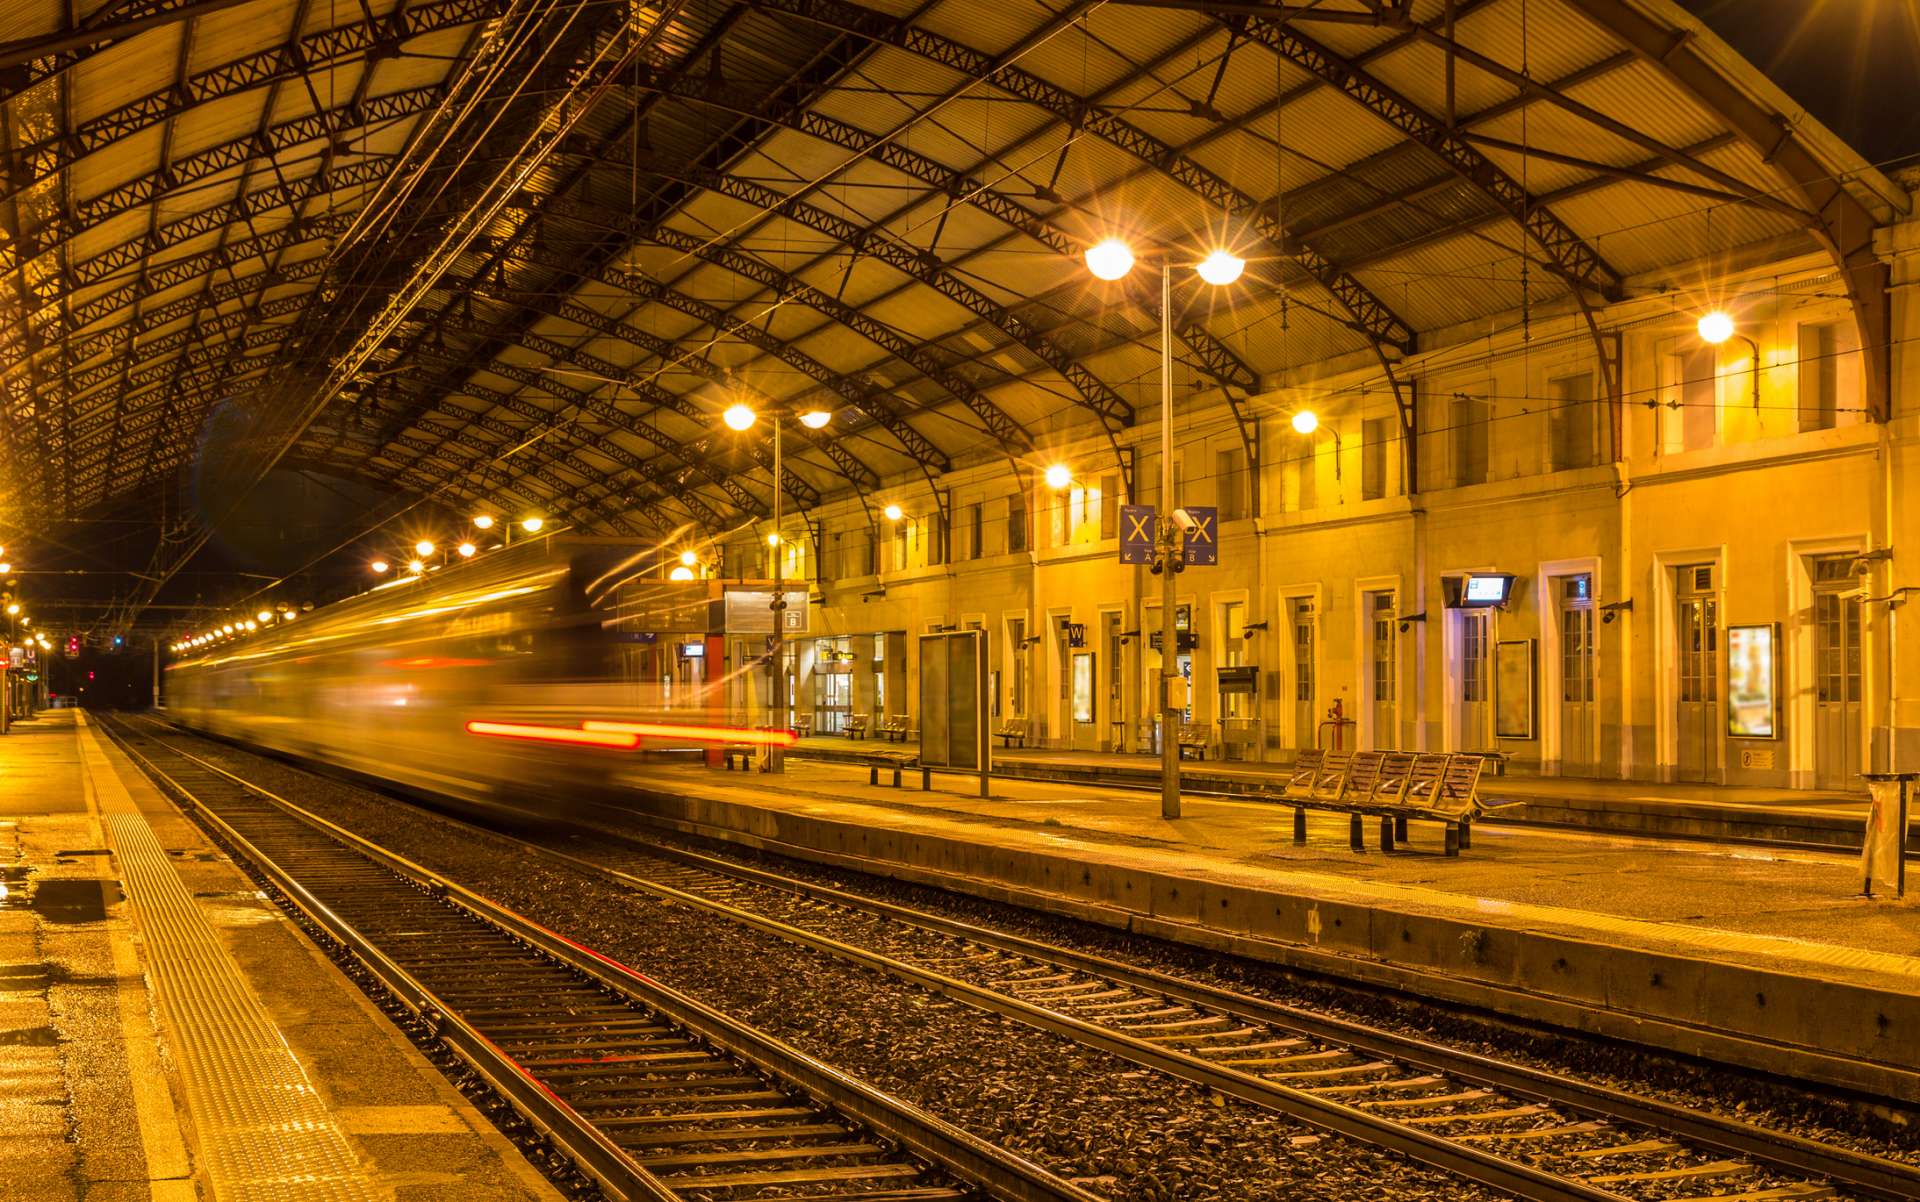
{"points": [[528, 249]]}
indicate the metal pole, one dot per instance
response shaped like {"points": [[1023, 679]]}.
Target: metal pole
{"points": [[777, 681], [1169, 543], [155, 703]]}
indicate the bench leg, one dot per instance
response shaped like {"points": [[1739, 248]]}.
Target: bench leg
{"points": [[926, 780], [873, 774], [1400, 827], [1299, 824], [896, 778], [1456, 832], [1386, 833], [1466, 833], [1355, 836]]}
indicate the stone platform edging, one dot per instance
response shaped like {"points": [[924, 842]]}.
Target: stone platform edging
{"points": [[1839, 1033]]}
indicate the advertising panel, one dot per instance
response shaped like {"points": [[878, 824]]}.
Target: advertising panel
{"points": [[1753, 708]]}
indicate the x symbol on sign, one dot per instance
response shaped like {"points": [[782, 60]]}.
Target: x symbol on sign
{"points": [[1202, 530], [1138, 526]]}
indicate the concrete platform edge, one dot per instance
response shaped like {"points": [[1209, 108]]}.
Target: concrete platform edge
{"points": [[1838, 1034]]}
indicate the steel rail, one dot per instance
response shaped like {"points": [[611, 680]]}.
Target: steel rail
{"points": [[983, 1165], [1797, 1154]]}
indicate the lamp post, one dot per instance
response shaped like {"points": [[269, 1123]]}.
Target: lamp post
{"points": [[1110, 260], [1715, 328], [741, 417]]}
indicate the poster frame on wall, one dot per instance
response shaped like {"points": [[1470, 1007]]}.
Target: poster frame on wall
{"points": [[1515, 670], [1741, 706]]}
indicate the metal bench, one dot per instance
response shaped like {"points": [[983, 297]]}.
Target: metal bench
{"points": [[895, 762], [746, 753], [803, 726], [1011, 730], [894, 729], [1193, 736], [1393, 785], [857, 726]]}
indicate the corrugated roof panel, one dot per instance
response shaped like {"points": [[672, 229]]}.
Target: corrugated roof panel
{"points": [[231, 34], [125, 72]]}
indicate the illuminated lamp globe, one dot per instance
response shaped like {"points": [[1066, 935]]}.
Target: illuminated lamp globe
{"points": [[894, 513], [682, 572], [1109, 259], [288, 616], [225, 628], [423, 548], [483, 522], [738, 417], [12, 610], [252, 625], [1221, 268], [466, 550], [1306, 422], [379, 565], [1715, 328], [814, 419], [5, 568], [414, 565], [688, 559], [532, 525], [1059, 476], [265, 615]]}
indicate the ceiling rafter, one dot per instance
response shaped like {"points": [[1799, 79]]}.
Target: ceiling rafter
{"points": [[1369, 315]]}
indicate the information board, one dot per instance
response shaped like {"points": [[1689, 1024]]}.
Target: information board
{"points": [[953, 702], [750, 611], [1752, 699]]}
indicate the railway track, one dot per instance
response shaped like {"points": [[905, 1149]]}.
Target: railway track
{"points": [[1550, 1137], [1509, 1126], [652, 1094]]}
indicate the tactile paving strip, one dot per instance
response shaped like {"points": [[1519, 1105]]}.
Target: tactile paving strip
{"points": [[266, 1134]]}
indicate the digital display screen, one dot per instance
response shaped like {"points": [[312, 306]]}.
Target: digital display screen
{"points": [[1751, 697], [693, 651], [1486, 590]]}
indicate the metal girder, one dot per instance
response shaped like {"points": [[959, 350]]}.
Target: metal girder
{"points": [[1566, 253], [567, 496], [304, 54], [146, 189], [25, 62], [1842, 223], [1368, 314], [857, 473], [925, 267], [1377, 12], [667, 486]]}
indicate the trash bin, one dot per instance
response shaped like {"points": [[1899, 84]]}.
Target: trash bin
{"points": [[1883, 852]]}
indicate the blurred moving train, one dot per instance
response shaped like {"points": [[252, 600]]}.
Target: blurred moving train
{"points": [[513, 674]]}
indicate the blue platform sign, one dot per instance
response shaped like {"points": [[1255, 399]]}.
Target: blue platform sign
{"points": [[1136, 533], [1202, 544]]}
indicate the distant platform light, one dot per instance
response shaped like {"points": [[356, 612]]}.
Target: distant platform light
{"points": [[894, 513], [484, 522], [532, 525], [414, 565], [265, 615], [738, 417], [814, 419], [681, 572], [466, 550], [1715, 327], [379, 565], [1306, 422], [688, 558], [423, 548], [1059, 476]]}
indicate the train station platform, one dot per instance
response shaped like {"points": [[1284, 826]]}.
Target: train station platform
{"points": [[167, 1034], [1757, 956], [1796, 817]]}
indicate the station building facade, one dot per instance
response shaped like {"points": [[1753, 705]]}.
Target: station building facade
{"points": [[1702, 567]]}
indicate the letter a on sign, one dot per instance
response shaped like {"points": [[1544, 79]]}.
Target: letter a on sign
{"points": [[1136, 533], [1202, 546]]}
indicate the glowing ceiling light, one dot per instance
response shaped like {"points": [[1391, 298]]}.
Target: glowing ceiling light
{"points": [[423, 548], [689, 558], [1306, 422], [738, 417], [814, 419], [1058, 476], [1221, 267], [484, 522], [466, 550], [1109, 259], [379, 565], [894, 513], [532, 525], [682, 572]]}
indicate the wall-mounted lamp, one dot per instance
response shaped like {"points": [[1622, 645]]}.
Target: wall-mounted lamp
{"points": [[1614, 609], [1409, 619], [1127, 635], [1861, 561], [1030, 640], [1260, 625]]}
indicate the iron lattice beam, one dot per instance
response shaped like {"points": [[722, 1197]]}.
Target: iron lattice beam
{"points": [[1368, 314]]}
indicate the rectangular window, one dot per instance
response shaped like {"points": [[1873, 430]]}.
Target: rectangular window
{"points": [[974, 547], [900, 545], [1110, 505], [1697, 391], [1306, 472], [1375, 433], [1230, 468], [1469, 421], [1574, 422], [1017, 524], [1819, 377]]}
